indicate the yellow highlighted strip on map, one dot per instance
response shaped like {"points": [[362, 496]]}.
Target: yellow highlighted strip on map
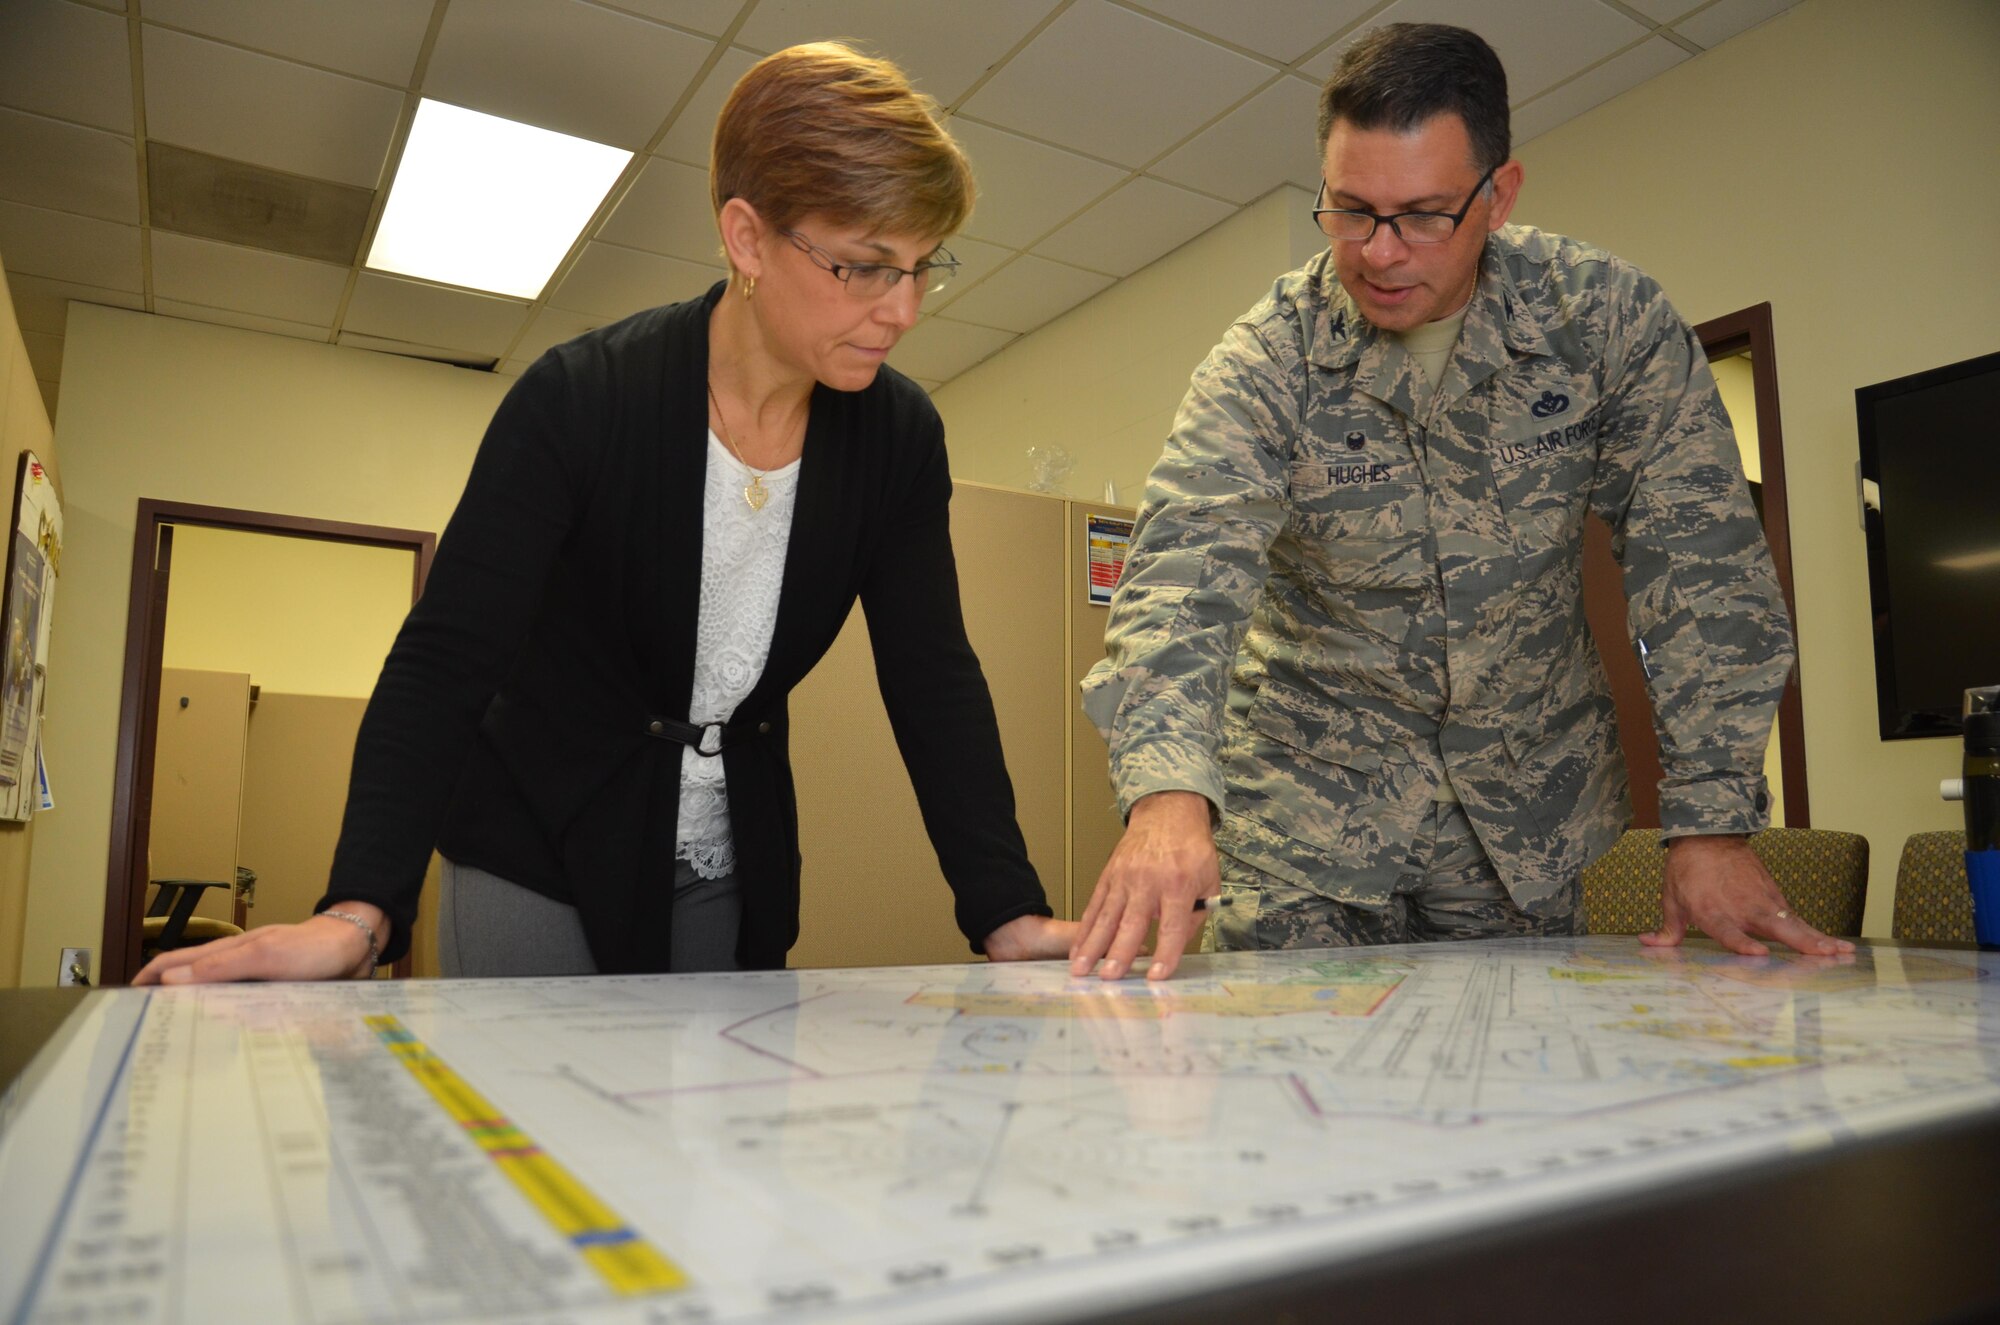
{"points": [[607, 1243]]}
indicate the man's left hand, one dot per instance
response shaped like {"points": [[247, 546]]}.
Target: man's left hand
{"points": [[1030, 939], [1719, 884]]}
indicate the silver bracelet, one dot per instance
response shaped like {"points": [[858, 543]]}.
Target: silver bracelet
{"points": [[374, 947]]}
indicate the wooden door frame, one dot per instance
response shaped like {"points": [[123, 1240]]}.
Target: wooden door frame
{"points": [[1749, 329], [139, 696]]}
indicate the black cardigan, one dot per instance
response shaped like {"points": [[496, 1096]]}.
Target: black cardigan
{"points": [[510, 724]]}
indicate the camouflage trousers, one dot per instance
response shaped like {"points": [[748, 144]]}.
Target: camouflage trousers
{"points": [[1448, 890]]}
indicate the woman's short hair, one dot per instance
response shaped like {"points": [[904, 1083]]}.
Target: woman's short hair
{"points": [[824, 130]]}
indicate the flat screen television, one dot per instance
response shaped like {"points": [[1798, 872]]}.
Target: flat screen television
{"points": [[1930, 503]]}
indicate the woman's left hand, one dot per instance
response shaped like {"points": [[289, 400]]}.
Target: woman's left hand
{"points": [[1030, 939]]}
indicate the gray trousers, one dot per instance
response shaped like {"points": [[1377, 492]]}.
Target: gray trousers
{"points": [[488, 926]]}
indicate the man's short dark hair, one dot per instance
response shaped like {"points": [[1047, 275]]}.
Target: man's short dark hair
{"points": [[1398, 76]]}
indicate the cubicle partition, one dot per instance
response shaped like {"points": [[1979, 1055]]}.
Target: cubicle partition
{"points": [[873, 894]]}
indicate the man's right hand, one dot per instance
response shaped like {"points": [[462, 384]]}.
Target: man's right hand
{"points": [[1163, 865], [322, 948]]}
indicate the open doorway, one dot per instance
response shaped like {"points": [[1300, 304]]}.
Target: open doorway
{"points": [[253, 643]]}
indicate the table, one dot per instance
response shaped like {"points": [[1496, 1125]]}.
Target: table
{"points": [[1503, 1130]]}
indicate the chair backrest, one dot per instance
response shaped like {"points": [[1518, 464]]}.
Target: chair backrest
{"points": [[1621, 889], [1823, 874], [1933, 901]]}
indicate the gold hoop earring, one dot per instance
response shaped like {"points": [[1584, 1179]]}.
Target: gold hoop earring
{"points": [[749, 286]]}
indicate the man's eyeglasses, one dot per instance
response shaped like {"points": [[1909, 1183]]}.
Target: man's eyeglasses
{"points": [[1352, 226], [872, 280]]}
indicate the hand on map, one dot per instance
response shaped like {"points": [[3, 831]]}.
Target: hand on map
{"points": [[322, 948], [1030, 939], [1162, 866], [1719, 884]]}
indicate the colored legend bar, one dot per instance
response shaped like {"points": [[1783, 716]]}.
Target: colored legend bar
{"points": [[612, 1247]]}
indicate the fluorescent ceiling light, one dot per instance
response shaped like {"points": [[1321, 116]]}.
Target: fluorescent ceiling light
{"points": [[488, 203]]}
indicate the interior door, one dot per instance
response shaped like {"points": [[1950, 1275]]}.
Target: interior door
{"points": [[198, 782]]}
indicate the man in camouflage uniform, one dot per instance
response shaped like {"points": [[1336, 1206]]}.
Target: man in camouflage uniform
{"points": [[1350, 631]]}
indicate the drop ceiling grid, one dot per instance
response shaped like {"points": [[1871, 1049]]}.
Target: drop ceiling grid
{"points": [[1105, 133]]}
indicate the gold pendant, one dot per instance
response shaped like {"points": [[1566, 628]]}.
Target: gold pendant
{"points": [[755, 494]]}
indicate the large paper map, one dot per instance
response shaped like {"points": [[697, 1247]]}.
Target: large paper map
{"points": [[979, 1142]]}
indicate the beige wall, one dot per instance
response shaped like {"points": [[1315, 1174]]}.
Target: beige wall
{"points": [[24, 426], [181, 411], [303, 615], [1104, 379], [1752, 173]]}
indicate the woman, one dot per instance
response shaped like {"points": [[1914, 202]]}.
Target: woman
{"points": [[665, 527]]}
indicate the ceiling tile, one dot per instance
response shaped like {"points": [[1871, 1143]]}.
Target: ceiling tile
{"points": [[511, 368], [65, 60], [376, 39], [1281, 29], [710, 16], [1614, 76], [1255, 148], [560, 64], [1143, 220], [1026, 188], [1725, 18], [269, 112], [667, 211], [942, 48], [37, 242], [1162, 84], [976, 261], [246, 280], [1541, 42], [1026, 293], [1665, 11], [609, 282], [938, 350], [41, 304], [552, 326], [49, 163], [688, 139], [396, 309], [229, 317], [45, 353]]}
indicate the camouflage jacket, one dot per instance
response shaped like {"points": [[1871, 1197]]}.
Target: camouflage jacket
{"points": [[1334, 600]]}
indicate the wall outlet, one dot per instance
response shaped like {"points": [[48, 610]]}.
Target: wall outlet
{"points": [[75, 968]]}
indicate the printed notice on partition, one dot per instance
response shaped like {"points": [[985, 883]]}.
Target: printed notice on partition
{"points": [[1109, 537]]}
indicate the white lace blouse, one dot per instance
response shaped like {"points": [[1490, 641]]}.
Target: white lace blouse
{"points": [[742, 570]]}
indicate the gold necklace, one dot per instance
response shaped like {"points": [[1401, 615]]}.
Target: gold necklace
{"points": [[755, 494]]}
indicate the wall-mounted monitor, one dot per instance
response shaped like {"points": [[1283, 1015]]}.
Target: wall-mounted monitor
{"points": [[1930, 497]]}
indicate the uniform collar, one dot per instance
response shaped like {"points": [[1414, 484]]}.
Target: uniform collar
{"points": [[1499, 327]]}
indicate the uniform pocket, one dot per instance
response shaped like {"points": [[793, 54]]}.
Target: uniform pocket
{"points": [[1314, 724], [1364, 536]]}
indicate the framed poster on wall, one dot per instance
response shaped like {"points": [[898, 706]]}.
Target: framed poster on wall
{"points": [[34, 555]]}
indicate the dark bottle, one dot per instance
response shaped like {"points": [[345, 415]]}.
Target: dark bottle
{"points": [[1982, 810]]}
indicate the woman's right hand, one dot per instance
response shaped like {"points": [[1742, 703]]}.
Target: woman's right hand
{"points": [[322, 948]]}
